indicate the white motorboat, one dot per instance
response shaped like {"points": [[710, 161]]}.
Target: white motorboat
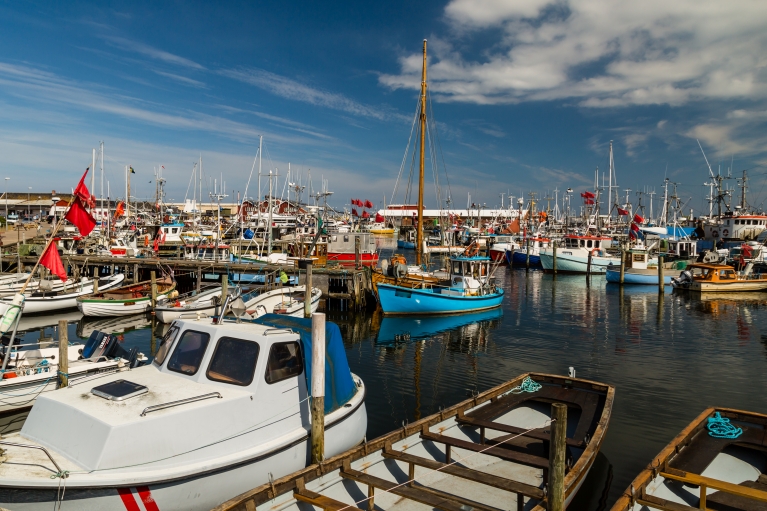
{"points": [[126, 300], [283, 300], [204, 303], [48, 301], [574, 254], [32, 371], [226, 407]]}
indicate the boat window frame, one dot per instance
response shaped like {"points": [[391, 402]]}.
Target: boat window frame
{"points": [[170, 337], [219, 342], [299, 357], [178, 343]]}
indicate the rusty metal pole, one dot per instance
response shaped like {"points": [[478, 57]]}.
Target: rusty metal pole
{"points": [[557, 455], [318, 387]]}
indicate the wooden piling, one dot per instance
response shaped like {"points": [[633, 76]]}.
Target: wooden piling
{"points": [[557, 454], [660, 274], [588, 270], [308, 293], [357, 260], [554, 247], [63, 354], [527, 258], [136, 278], [95, 283], [623, 265], [224, 289], [199, 279], [318, 387], [153, 277]]}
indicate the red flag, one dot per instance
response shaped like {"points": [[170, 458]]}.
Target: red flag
{"points": [[588, 201], [368, 204], [156, 245], [81, 190], [365, 214], [52, 261], [638, 219], [354, 212], [588, 195], [80, 217], [380, 218], [635, 227], [632, 235], [746, 250], [120, 209], [623, 212]]}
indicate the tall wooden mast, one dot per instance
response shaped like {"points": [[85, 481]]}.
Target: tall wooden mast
{"points": [[419, 231]]}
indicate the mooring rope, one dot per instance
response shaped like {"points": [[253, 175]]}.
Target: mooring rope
{"points": [[528, 385], [720, 427]]}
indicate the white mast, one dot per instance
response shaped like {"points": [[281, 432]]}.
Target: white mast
{"points": [[93, 171], [610, 185], [269, 221]]}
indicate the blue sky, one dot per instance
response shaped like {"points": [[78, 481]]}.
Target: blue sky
{"points": [[527, 95]]}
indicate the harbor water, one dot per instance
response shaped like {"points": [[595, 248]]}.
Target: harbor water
{"points": [[669, 356]]}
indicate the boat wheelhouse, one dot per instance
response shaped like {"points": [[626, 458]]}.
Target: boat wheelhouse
{"points": [[343, 248], [223, 406], [736, 227]]}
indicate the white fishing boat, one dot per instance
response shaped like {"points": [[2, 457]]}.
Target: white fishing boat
{"points": [[126, 300], [284, 300], [204, 303], [575, 252], [222, 407], [47, 301], [32, 371]]}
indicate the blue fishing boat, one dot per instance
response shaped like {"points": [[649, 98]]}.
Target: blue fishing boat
{"points": [[469, 289], [640, 269]]}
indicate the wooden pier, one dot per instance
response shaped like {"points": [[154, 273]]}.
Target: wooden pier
{"points": [[346, 288]]}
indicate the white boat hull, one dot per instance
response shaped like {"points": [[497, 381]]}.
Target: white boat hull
{"points": [[37, 304], [575, 264], [282, 299]]}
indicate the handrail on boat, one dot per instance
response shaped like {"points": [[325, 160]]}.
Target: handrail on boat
{"points": [[270, 331], [58, 468], [154, 408]]}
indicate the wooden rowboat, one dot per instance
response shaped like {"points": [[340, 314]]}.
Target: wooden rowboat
{"points": [[488, 453], [699, 471], [126, 300]]}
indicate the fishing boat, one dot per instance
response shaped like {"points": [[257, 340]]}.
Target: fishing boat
{"points": [[346, 249], [718, 278], [574, 254], [379, 228], [36, 302], [499, 245], [222, 407], [717, 462], [126, 300], [283, 300], [519, 255], [407, 238], [469, 288], [638, 269], [486, 453], [203, 303], [32, 370]]}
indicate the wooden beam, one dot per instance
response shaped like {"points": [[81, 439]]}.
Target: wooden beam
{"points": [[318, 499], [663, 504], [497, 426], [716, 484]]}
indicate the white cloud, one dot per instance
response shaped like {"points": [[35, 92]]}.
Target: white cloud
{"points": [[181, 79], [152, 52], [602, 54]]}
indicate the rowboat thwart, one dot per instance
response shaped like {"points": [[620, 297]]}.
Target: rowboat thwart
{"points": [[487, 453], [717, 462]]}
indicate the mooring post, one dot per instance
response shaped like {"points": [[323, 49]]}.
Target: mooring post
{"points": [[660, 274], [356, 251], [527, 258], [588, 270], [135, 273], [557, 454], [95, 283], [318, 387], [308, 292], [623, 265], [63, 354], [199, 279], [554, 247], [224, 289], [153, 277]]}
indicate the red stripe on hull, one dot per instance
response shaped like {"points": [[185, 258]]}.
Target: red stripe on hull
{"points": [[366, 259], [147, 499], [129, 501]]}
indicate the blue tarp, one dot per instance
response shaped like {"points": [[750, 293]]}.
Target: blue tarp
{"points": [[339, 386]]}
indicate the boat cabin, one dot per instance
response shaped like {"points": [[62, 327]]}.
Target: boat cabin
{"points": [[469, 272], [587, 243], [207, 252], [683, 249], [171, 233], [638, 259], [212, 391], [712, 272]]}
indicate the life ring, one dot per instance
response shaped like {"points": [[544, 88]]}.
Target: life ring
{"points": [[715, 233], [596, 252], [472, 249], [725, 233]]}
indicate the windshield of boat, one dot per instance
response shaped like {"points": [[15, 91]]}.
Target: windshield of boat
{"points": [[166, 344], [234, 361], [189, 351]]}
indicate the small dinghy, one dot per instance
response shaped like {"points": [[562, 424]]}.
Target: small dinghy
{"points": [[126, 300], [203, 303], [284, 300], [718, 462], [488, 453], [36, 302], [32, 371], [222, 407]]}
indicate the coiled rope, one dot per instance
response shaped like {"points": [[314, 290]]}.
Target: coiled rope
{"points": [[528, 385], [720, 427]]}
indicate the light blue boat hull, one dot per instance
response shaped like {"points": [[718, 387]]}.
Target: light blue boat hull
{"points": [[399, 300], [638, 278]]}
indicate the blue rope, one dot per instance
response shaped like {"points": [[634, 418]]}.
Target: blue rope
{"points": [[719, 427], [528, 385]]}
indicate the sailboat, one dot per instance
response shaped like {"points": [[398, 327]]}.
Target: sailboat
{"points": [[469, 285]]}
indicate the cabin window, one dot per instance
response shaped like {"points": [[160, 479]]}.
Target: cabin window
{"points": [[284, 362], [189, 351], [346, 238], [234, 361], [588, 244], [174, 230], [727, 274], [457, 269], [167, 342]]}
